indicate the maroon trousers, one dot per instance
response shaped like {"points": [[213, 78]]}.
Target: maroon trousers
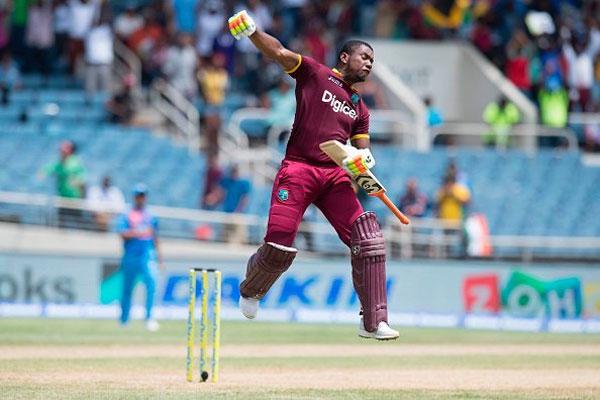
{"points": [[296, 186]]}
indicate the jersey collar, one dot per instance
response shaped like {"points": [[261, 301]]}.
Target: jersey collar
{"points": [[339, 74]]}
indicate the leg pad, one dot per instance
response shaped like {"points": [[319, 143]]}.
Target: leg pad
{"points": [[368, 269], [264, 268]]}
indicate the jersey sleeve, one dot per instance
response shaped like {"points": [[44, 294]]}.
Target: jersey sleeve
{"points": [[361, 127], [305, 68], [122, 223]]}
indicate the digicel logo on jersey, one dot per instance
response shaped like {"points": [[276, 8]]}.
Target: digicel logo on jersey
{"points": [[338, 106]]}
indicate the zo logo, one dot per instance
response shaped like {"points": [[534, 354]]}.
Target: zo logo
{"points": [[356, 250]]}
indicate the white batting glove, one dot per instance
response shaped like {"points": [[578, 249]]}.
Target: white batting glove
{"points": [[358, 161], [241, 25]]}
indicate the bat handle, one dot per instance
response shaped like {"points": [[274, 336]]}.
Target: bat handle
{"points": [[386, 200]]}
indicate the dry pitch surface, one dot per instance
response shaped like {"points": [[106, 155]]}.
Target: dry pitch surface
{"points": [[73, 359]]}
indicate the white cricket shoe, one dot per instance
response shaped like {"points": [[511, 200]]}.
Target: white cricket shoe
{"points": [[383, 332], [248, 307], [152, 325]]}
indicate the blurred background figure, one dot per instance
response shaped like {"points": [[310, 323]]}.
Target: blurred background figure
{"points": [[413, 202], [99, 55], [82, 14], [211, 19], [500, 115], [180, 66], [10, 76], [39, 36], [70, 182], [452, 198], [214, 83], [211, 196], [121, 107], [234, 192], [128, 22], [105, 201], [434, 114], [62, 28], [281, 102], [141, 254], [68, 171]]}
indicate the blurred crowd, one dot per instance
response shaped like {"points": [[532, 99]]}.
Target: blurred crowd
{"points": [[548, 48]]}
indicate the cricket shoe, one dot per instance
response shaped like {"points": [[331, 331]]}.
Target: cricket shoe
{"points": [[383, 332], [248, 307], [152, 325]]}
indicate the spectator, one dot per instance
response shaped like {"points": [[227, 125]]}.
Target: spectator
{"points": [[184, 15], [104, 201], [4, 16], [235, 192], [99, 55], [580, 60], [143, 42], [224, 44], [70, 182], [214, 83], [121, 106], [452, 198], [128, 22], [460, 176], [141, 255], [39, 35], [281, 103], [210, 24], [434, 114], [519, 52], [18, 26], [10, 77], [69, 172], [211, 196], [82, 14], [62, 27], [317, 44], [501, 115], [553, 101], [413, 202], [180, 66]]}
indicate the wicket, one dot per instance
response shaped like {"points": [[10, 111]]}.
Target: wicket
{"points": [[204, 328]]}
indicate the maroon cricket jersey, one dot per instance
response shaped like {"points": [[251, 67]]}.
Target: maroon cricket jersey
{"points": [[326, 108]]}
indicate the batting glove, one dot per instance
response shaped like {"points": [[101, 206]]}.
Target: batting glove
{"points": [[358, 161], [241, 25]]}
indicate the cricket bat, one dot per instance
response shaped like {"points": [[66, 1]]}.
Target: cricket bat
{"points": [[337, 152]]}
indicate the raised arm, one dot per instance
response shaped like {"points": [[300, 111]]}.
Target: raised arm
{"points": [[242, 25]]}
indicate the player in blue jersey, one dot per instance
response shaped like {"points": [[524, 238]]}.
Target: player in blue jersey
{"points": [[141, 259]]}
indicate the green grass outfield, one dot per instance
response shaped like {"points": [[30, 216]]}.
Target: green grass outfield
{"points": [[97, 359]]}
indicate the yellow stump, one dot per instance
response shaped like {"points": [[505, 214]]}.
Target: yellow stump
{"points": [[216, 327], [204, 326], [191, 322]]}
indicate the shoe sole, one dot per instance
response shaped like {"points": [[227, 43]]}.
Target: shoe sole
{"points": [[369, 335]]}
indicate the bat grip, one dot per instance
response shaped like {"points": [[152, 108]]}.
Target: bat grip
{"points": [[386, 200]]}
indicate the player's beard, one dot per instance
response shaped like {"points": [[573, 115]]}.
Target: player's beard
{"points": [[362, 76]]}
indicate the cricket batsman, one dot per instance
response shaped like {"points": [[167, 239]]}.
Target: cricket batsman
{"points": [[328, 108]]}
